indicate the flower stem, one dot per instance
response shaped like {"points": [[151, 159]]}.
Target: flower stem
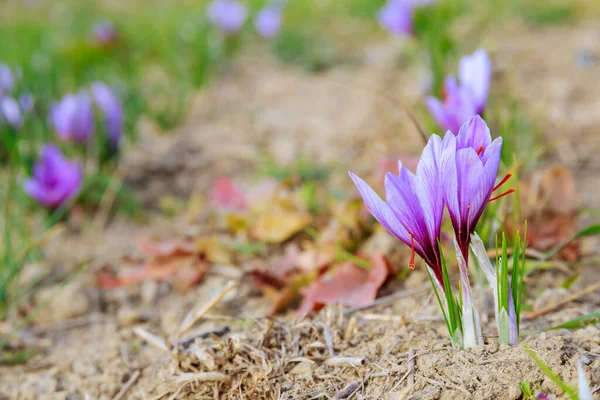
{"points": [[470, 317]]}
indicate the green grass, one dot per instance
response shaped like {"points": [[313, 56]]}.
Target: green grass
{"points": [[545, 13]]}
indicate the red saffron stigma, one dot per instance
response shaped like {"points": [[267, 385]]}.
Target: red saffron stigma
{"points": [[502, 182], [509, 191], [480, 150], [411, 263]]}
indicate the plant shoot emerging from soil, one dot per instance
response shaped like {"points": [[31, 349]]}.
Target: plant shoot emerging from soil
{"points": [[459, 173]]}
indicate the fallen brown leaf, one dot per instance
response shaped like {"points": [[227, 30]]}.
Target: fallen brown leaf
{"points": [[166, 248], [549, 203], [279, 226], [172, 259], [346, 284], [213, 250]]}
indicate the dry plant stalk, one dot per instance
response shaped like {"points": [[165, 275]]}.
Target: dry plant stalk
{"points": [[151, 338], [555, 306], [188, 323]]}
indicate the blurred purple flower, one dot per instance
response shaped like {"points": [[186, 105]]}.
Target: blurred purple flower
{"points": [[268, 22], [55, 179], [414, 205], [468, 174], [10, 112], [26, 102], [112, 112], [105, 32], [463, 101], [396, 16], [457, 108], [73, 118], [475, 72], [228, 15], [7, 79]]}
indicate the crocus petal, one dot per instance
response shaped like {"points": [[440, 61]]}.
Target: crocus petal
{"points": [[448, 176], [487, 181], [112, 111], [492, 152], [7, 79], [55, 179], [35, 191], [380, 210], [428, 186], [396, 17], [228, 15], [474, 134], [402, 199], [105, 32], [10, 112], [469, 173], [268, 22], [73, 118], [438, 111], [457, 107], [475, 72], [26, 102]]}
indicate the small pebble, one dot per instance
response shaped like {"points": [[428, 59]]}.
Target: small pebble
{"points": [[128, 316], [585, 59]]}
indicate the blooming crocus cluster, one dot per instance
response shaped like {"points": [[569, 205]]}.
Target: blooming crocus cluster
{"points": [[396, 16], [457, 172], [228, 15], [73, 118], [468, 97], [55, 180], [112, 113]]}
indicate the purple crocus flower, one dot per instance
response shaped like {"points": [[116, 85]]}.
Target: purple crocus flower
{"points": [[26, 102], [10, 112], [268, 22], [475, 72], [414, 205], [469, 98], [396, 16], [112, 111], [55, 179], [457, 107], [7, 79], [468, 173], [73, 118], [105, 33], [228, 15]]}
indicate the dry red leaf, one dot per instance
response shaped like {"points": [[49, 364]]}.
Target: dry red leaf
{"points": [[166, 248], [346, 284], [226, 196], [171, 259]]}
